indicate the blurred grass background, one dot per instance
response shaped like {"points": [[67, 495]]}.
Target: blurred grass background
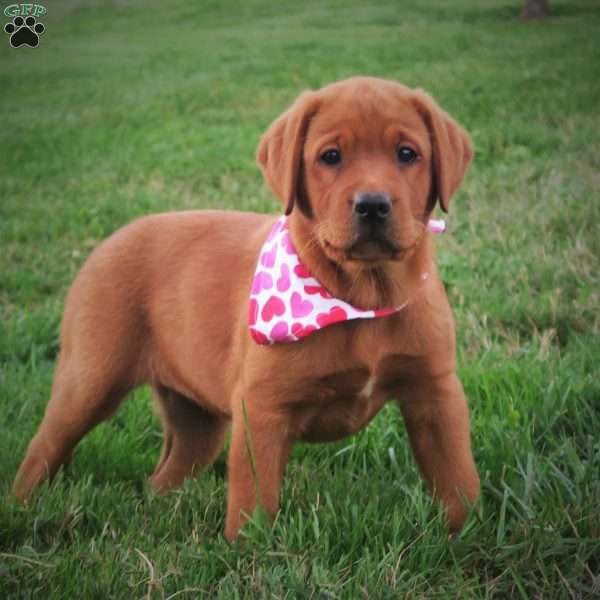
{"points": [[127, 108]]}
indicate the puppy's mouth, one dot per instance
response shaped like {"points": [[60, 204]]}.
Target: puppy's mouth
{"points": [[371, 250]]}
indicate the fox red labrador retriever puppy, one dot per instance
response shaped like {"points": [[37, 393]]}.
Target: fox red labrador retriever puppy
{"points": [[286, 328]]}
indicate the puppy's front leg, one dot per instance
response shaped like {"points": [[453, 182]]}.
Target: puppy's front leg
{"points": [[260, 448], [437, 419]]}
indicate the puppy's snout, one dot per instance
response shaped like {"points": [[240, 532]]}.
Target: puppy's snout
{"points": [[372, 207]]}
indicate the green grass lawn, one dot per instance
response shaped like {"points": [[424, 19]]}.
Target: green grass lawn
{"points": [[127, 108]]}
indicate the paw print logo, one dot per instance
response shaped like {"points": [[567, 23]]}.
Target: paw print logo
{"points": [[24, 31]]}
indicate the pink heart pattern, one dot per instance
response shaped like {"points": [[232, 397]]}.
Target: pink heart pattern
{"points": [[286, 242], [298, 305], [262, 280], [267, 257], [300, 308], [279, 333], [284, 282]]}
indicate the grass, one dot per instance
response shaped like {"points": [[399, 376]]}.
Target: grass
{"points": [[127, 108]]}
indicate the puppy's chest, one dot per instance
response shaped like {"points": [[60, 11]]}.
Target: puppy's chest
{"points": [[341, 403], [338, 392]]}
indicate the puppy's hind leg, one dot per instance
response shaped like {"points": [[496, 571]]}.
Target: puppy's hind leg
{"points": [[193, 438], [80, 400]]}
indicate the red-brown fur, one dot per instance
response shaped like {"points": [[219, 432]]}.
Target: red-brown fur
{"points": [[164, 301]]}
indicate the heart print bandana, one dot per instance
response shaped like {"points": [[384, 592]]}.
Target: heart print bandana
{"points": [[287, 303]]}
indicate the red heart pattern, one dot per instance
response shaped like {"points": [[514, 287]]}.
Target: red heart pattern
{"points": [[317, 289], [274, 306], [258, 337], [301, 271], [301, 331], [385, 312], [252, 311], [335, 315]]}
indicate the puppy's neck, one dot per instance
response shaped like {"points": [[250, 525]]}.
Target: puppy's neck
{"points": [[383, 285]]}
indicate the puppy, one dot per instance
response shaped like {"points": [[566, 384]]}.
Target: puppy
{"points": [[194, 304]]}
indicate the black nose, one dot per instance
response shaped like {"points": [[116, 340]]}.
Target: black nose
{"points": [[372, 207]]}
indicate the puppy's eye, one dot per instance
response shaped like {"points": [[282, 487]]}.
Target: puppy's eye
{"points": [[407, 156], [331, 157]]}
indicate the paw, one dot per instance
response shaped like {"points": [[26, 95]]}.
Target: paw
{"points": [[24, 31]]}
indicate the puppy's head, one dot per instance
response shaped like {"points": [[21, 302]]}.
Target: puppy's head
{"points": [[363, 162]]}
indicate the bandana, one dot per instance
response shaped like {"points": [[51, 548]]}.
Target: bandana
{"points": [[287, 303]]}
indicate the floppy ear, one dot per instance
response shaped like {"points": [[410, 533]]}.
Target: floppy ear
{"points": [[452, 149], [279, 152]]}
